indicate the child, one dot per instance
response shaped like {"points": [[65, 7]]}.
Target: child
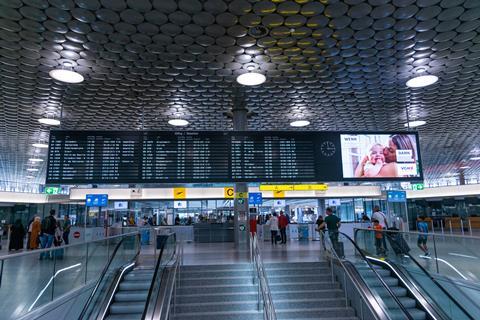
{"points": [[378, 237], [422, 228], [375, 162]]}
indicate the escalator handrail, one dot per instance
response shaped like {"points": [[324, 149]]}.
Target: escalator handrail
{"points": [[363, 291], [384, 284], [105, 269], [155, 273], [425, 272]]}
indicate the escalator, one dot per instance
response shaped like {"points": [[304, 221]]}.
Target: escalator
{"points": [[397, 294], [128, 291], [429, 295]]}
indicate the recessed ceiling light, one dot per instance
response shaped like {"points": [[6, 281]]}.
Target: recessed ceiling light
{"points": [[65, 75], [422, 81], [32, 169], [35, 160], [49, 121], [300, 123], [178, 122], [475, 158], [251, 79], [40, 145], [464, 167], [416, 123]]}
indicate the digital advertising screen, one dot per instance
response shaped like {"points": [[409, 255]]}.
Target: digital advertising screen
{"points": [[380, 156]]}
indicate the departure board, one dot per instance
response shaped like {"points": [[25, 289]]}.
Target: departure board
{"points": [[82, 157]]}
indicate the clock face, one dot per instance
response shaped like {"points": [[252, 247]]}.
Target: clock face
{"points": [[328, 148]]}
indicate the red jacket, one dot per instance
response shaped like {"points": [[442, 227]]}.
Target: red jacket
{"points": [[282, 221]]}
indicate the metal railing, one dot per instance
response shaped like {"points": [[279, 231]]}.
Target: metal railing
{"points": [[265, 300]]}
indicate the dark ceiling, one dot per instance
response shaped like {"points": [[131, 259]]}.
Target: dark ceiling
{"points": [[340, 64]]}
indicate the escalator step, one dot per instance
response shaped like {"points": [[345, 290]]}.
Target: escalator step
{"points": [[127, 316], [127, 307], [390, 281], [134, 285], [131, 295]]}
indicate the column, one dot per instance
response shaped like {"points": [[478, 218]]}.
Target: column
{"points": [[241, 227]]}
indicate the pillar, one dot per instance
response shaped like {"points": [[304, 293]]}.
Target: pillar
{"points": [[241, 227]]}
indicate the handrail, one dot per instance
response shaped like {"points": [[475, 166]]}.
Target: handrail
{"points": [[155, 274], [37, 251], [350, 276], [268, 306], [423, 233], [105, 269], [399, 303], [425, 272]]}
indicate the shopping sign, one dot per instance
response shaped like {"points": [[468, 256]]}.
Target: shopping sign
{"points": [[255, 198]]}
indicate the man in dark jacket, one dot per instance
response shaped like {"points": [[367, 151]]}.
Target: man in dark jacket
{"points": [[49, 224]]}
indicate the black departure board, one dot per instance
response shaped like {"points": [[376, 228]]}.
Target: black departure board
{"points": [[80, 157]]}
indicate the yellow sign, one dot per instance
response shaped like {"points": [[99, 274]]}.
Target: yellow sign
{"points": [[241, 195], [276, 187], [310, 187], [279, 194], [179, 193], [228, 192], [293, 187]]}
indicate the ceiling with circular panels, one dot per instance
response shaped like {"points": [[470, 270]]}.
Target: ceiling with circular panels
{"points": [[342, 65]]}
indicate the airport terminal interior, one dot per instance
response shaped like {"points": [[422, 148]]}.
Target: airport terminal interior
{"points": [[239, 159]]}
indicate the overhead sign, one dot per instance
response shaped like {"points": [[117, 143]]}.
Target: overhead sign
{"points": [[241, 195], [279, 194], [140, 157], [396, 196], [294, 187], [228, 192], [96, 200], [52, 190], [333, 202], [179, 193], [418, 186], [180, 204], [255, 198], [279, 203]]}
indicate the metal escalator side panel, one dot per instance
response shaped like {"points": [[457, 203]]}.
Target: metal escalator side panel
{"points": [[426, 305]]}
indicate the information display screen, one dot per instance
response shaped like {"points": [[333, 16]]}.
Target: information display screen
{"points": [[380, 156], [77, 157]]}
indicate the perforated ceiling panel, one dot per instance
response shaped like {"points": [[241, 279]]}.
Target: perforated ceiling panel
{"points": [[339, 64]]}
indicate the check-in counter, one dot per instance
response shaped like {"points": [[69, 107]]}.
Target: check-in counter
{"points": [[213, 232], [474, 222]]}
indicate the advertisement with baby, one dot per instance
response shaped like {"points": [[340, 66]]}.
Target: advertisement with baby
{"points": [[379, 156]]}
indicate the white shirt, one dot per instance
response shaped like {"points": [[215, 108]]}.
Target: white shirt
{"points": [[273, 223], [380, 216]]}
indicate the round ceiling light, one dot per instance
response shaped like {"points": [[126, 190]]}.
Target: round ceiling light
{"points": [[35, 160], [30, 177], [178, 122], [251, 79], [49, 121], [414, 124], [422, 81], [40, 145], [65, 75], [300, 123], [32, 169]]}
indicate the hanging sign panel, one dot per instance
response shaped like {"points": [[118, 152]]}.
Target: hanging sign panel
{"points": [[77, 157]]}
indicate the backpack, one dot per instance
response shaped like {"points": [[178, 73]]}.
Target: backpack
{"points": [[46, 224]]}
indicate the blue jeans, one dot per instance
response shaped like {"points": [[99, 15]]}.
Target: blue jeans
{"points": [[46, 241]]}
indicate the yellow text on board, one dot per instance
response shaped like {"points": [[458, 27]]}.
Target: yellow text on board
{"points": [[228, 193], [179, 193], [294, 187], [241, 195]]}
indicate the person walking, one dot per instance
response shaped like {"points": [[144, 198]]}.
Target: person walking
{"points": [[321, 230], [378, 237], [422, 228], [36, 229], [67, 225], [273, 223], [17, 233], [382, 220], [282, 224], [333, 224], [49, 224]]}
